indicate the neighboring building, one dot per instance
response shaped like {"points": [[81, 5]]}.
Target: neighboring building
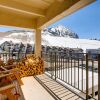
{"points": [[76, 53], [7, 46], [93, 53]]}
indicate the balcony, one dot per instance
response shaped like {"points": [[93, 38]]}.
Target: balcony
{"points": [[71, 76], [32, 14]]}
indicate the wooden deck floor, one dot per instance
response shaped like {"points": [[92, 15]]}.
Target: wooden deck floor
{"points": [[57, 90], [32, 90]]}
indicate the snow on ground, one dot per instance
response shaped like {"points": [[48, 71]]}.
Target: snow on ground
{"points": [[71, 42], [50, 40], [9, 39], [67, 78]]}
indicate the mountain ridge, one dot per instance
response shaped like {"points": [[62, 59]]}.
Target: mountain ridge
{"points": [[49, 39], [59, 30]]}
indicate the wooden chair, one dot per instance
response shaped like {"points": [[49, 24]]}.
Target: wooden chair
{"points": [[14, 74], [7, 86], [6, 89], [9, 68]]}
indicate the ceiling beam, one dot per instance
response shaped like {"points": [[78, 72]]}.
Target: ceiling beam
{"points": [[59, 10], [15, 6], [16, 21], [31, 2]]}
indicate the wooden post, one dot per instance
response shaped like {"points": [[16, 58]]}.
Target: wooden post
{"points": [[38, 42]]}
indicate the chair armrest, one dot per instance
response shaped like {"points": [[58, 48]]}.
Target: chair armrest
{"points": [[10, 86], [3, 68], [5, 75]]}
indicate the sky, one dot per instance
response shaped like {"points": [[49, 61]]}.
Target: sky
{"points": [[85, 22]]}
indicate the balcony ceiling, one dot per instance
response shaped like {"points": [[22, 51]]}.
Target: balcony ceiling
{"points": [[35, 14]]}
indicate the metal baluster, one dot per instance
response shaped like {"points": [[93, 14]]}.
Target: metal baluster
{"points": [[78, 71], [51, 64], [74, 71], [66, 66], [52, 58], [55, 65], [68, 71], [71, 71], [92, 78], [61, 66], [98, 76], [86, 76], [82, 74]]}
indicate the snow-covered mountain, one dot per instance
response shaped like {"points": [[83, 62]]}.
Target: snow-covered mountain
{"points": [[56, 36], [28, 36], [60, 31]]}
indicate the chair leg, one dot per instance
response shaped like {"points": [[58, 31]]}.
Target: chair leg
{"points": [[9, 94], [19, 79]]}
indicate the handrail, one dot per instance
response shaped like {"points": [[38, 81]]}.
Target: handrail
{"points": [[71, 67]]}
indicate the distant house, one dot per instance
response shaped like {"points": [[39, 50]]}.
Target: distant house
{"points": [[93, 53], [76, 53], [76, 50], [7, 46], [29, 49]]}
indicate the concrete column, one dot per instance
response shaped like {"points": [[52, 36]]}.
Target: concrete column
{"points": [[38, 42]]}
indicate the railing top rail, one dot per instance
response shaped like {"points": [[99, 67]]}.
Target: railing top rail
{"points": [[69, 53]]}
